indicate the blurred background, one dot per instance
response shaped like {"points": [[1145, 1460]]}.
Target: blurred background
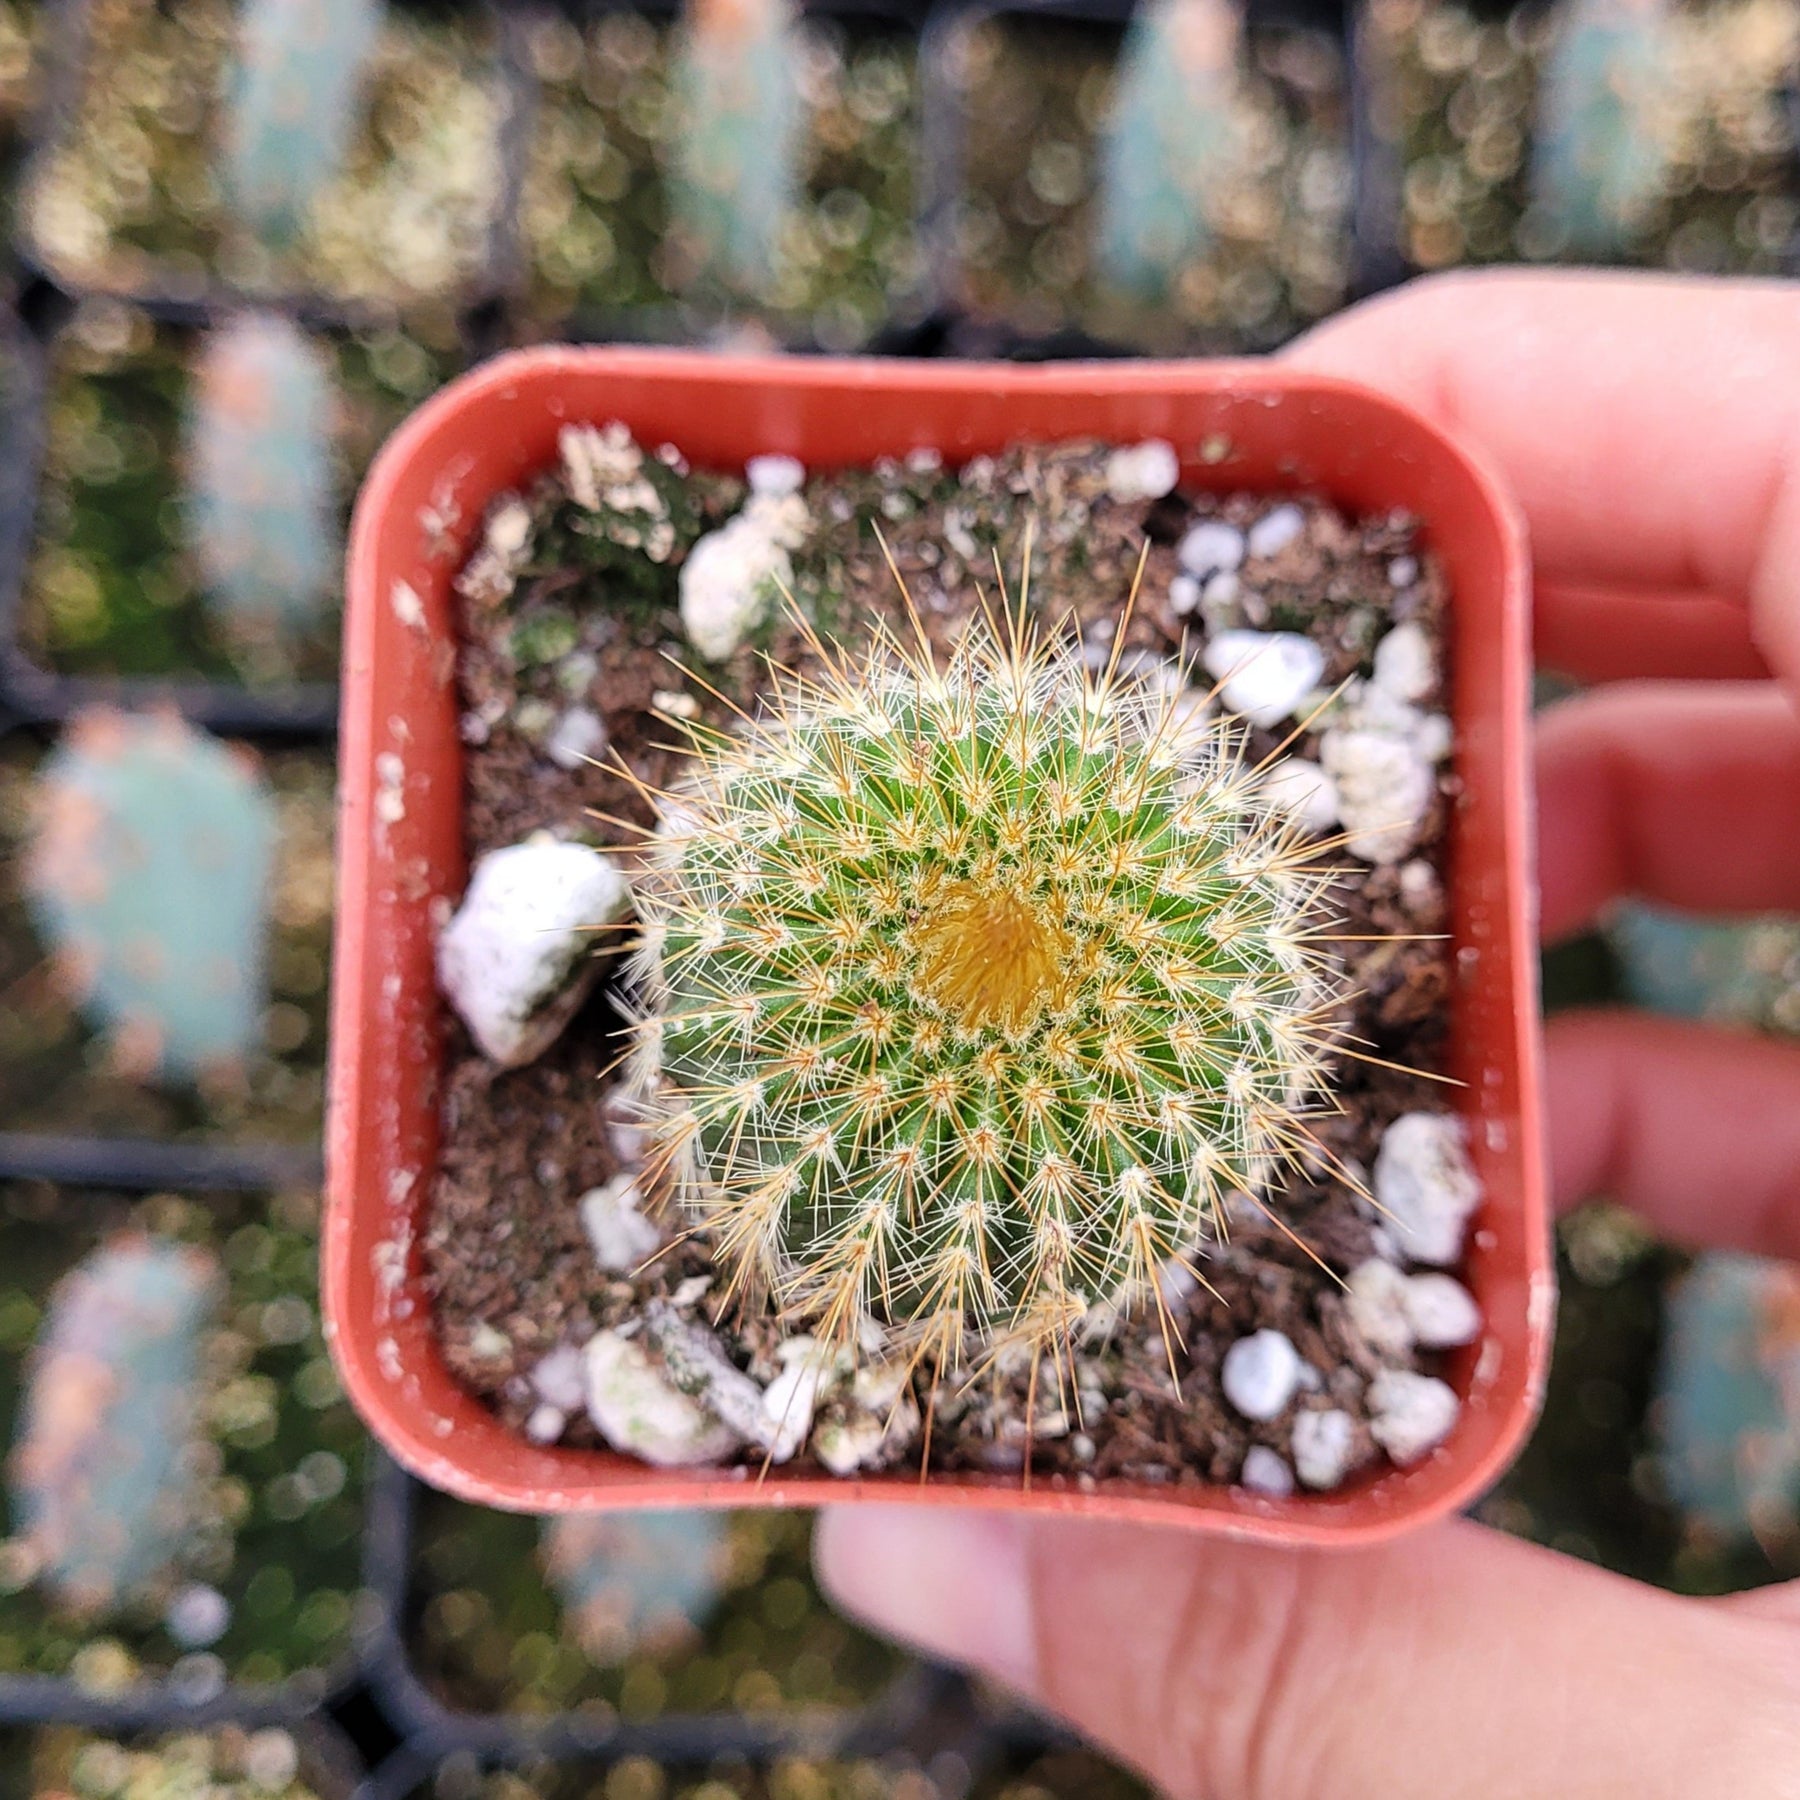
{"points": [[243, 239]]}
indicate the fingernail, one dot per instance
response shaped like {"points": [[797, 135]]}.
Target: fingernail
{"points": [[953, 1584]]}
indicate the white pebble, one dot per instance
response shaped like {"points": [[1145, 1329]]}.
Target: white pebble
{"points": [[557, 1379], [1188, 729], [1210, 546], [637, 1409], [546, 1424], [1404, 664], [1145, 471], [1375, 1297], [731, 578], [776, 475], [1442, 1311], [1412, 1414], [1275, 530], [845, 1445], [622, 1238], [1420, 889], [578, 738], [1265, 673], [197, 1615], [788, 1404], [1324, 1445], [1403, 571], [513, 946], [1184, 595], [1425, 1185], [1266, 1473], [1384, 787], [1260, 1374], [1304, 791]]}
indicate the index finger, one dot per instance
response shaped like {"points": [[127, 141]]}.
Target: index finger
{"points": [[1649, 425]]}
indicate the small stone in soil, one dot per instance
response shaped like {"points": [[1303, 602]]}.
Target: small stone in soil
{"points": [[1425, 1185], [1303, 791], [637, 1409], [1265, 675], [1266, 1473], [1260, 1374], [612, 1216], [1210, 547], [1324, 1444], [578, 738], [1442, 1311], [1275, 530], [1412, 1413]]}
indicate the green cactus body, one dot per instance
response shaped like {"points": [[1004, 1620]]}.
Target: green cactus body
{"points": [[637, 1584], [970, 995], [148, 876], [1597, 162], [1729, 970], [293, 105], [1729, 1397], [99, 1472], [1170, 141], [262, 510], [737, 161]]}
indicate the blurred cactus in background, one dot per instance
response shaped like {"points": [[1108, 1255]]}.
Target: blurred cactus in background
{"points": [[148, 875], [637, 1584], [1598, 162], [736, 178], [292, 116], [231, 1763], [1172, 139], [262, 508], [1732, 972], [1729, 1400], [101, 1475]]}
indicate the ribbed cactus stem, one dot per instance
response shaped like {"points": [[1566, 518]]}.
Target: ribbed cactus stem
{"points": [[1171, 141], [98, 1475], [293, 107], [741, 123], [971, 994], [261, 502]]}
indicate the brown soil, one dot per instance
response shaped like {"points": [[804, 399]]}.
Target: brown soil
{"points": [[505, 1246]]}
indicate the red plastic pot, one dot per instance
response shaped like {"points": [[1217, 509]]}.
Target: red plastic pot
{"points": [[400, 860]]}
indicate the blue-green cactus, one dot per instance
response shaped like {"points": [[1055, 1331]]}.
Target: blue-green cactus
{"points": [[147, 876], [1730, 971], [1597, 159], [637, 1583], [100, 1473], [293, 106], [1170, 142], [1729, 1397], [742, 125], [262, 512]]}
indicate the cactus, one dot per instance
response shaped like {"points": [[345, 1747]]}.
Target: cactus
{"points": [[100, 1474], [1597, 160], [1727, 970], [301, 66], [262, 511], [969, 996], [1729, 1397], [147, 874], [637, 1583], [1170, 141], [741, 121]]}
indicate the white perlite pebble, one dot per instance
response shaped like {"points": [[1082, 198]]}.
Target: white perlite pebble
{"points": [[1265, 673], [546, 1424], [846, 1445], [1384, 788], [1425, 1186], [578, 738], [1304, 791], [1324, 1443], [1275, 530], [789, 1401], [1260, 1374], [1375, 1297], [1210, 547], [775, 474], [729, 581], [524, 924], [637, 1409], [1266, 1473], [1442, 1312], [1143, 471], [623, 1239], [557, 1379], [1411, 1414], [1184, 595], [1404, 664]]}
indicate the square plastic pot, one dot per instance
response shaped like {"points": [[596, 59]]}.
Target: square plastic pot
{"points": [[401, 862]]}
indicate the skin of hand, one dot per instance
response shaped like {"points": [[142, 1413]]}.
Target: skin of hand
{"points": [[1650, 428]]}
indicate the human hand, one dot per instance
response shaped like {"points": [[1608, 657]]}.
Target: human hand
{"points": [[1651, 430]]}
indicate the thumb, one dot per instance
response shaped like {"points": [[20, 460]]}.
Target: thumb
{"points": [[1456, 1663]]}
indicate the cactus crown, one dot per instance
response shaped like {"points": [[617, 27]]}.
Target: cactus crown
{"points": [[971, 994]]}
